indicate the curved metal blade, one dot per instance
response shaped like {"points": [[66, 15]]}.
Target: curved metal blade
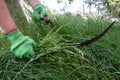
{"points": [[96, 38]]}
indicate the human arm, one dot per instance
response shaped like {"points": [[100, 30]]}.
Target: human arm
{"points": [[21, 46]]}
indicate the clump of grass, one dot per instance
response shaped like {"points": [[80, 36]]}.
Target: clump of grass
{"points": [[50, 52], [49, 49]]}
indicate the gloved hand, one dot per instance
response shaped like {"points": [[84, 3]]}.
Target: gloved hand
{"points": [[22, 46], [40, 13]]}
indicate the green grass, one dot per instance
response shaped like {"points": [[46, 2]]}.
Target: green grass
{"points": [[56, 60]]}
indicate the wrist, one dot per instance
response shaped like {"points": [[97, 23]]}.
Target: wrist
{"points": [[34, 2], [14, 36], [6, 33]]}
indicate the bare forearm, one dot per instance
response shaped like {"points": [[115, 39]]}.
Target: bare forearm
{"points": [[6, 21], [34, 2]]}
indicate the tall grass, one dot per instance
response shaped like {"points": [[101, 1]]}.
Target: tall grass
{"points": [[56, 60]]}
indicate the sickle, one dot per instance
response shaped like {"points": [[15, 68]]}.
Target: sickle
{"points": [[86, 42], [96, 38]]}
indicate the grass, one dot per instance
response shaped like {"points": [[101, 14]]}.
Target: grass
{"points": [[56, 60]]}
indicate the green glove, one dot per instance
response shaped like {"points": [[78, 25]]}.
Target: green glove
{"points": [[21, 45], [39, 13]]}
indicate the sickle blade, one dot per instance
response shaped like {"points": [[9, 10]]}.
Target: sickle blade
{"points": [[88, 42]]}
